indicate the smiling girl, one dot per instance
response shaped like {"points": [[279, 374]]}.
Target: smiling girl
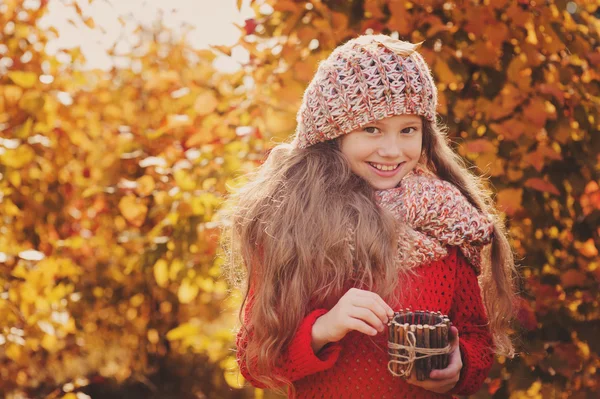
{"points": [[366, 212], [384, 151]]}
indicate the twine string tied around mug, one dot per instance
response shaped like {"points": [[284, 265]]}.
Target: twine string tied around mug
{"points": [[413, 353]]}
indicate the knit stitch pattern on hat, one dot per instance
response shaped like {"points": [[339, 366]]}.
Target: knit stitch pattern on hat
{"points": [[438, 216], [369, 78]]}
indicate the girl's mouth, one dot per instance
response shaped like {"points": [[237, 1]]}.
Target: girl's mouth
{"points": [[385, 173]]}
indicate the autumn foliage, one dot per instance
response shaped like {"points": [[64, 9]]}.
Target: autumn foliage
{"points": [[111, 182]]}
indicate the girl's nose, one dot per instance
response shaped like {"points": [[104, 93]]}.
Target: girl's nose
{"points": [[390, 147]]}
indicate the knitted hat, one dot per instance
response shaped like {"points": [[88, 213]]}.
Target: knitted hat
{"points": [[368, 78]]}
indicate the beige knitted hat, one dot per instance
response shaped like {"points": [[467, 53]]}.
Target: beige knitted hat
{"points": [[368, 78]]}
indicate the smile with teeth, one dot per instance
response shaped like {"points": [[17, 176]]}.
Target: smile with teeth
{"points": [[384, 167]]}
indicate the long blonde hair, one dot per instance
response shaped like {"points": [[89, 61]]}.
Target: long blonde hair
{"points": [[305, 226], [498, 279]]}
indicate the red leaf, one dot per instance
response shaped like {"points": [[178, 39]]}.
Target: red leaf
{"points": [[250, 26], [590, 199], [526, 315], [594, 58], [494, 385]]}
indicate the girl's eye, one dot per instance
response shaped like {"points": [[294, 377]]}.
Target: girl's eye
{"points": [[407, 130], [370, 129]]}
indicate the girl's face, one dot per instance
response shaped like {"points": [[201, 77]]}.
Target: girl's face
{"points": [[383, 152]]}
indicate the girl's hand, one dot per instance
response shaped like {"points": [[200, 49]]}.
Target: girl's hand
{"points": [[442, 381], [358, 310]]}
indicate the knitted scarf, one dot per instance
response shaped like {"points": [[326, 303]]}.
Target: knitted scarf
{"points": [[438, 215]]}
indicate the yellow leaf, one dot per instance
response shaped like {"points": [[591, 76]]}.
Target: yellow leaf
{"points": [[20, 271], [89, 22], [179, 120], [10, 209], [49, 342], [161, 273], [584, 348], [220, 288], [14, 177], [70, 395], [182, 331], [23, 79], [207, 284], [24, 130], [145, 185], [92, 190], [175, 268], [18, 157], [187, 291], [206, 103], [13, 352], [231, 372], [279, 122], [153, 336], [12, 94], [133, 210], [32, 101], [184, 180]]}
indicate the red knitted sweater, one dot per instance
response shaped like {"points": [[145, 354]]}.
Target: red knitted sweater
{"points": [[356, 366]]}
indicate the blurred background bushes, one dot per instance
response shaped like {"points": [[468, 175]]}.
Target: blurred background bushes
{"points": [[111, 183]]}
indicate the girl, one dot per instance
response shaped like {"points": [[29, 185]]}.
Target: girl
{"points": [[368, 211]]}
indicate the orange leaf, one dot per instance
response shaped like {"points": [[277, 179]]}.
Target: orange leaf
{"points": [[223, 49], [538, 157], [145, 185], [480, 145], [573, 278], [541, 185], [590, 199], [89, 21], [443, 72], [535, 111], [400, 19], [504, 104], [509, 200], [510, 129], [133, 210], [483, 53], [206, 103], [587, 249]]}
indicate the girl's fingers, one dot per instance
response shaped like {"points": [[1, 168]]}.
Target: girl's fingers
{"points": [[367, 316], [373, 306], [438, 386], [454, 339], [454, 366], [361, 326], [388, 311], [371, 303], [452, 371]]}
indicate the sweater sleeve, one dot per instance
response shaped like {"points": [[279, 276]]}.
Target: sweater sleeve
{"points": [[475, 340], [298, 359]]}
